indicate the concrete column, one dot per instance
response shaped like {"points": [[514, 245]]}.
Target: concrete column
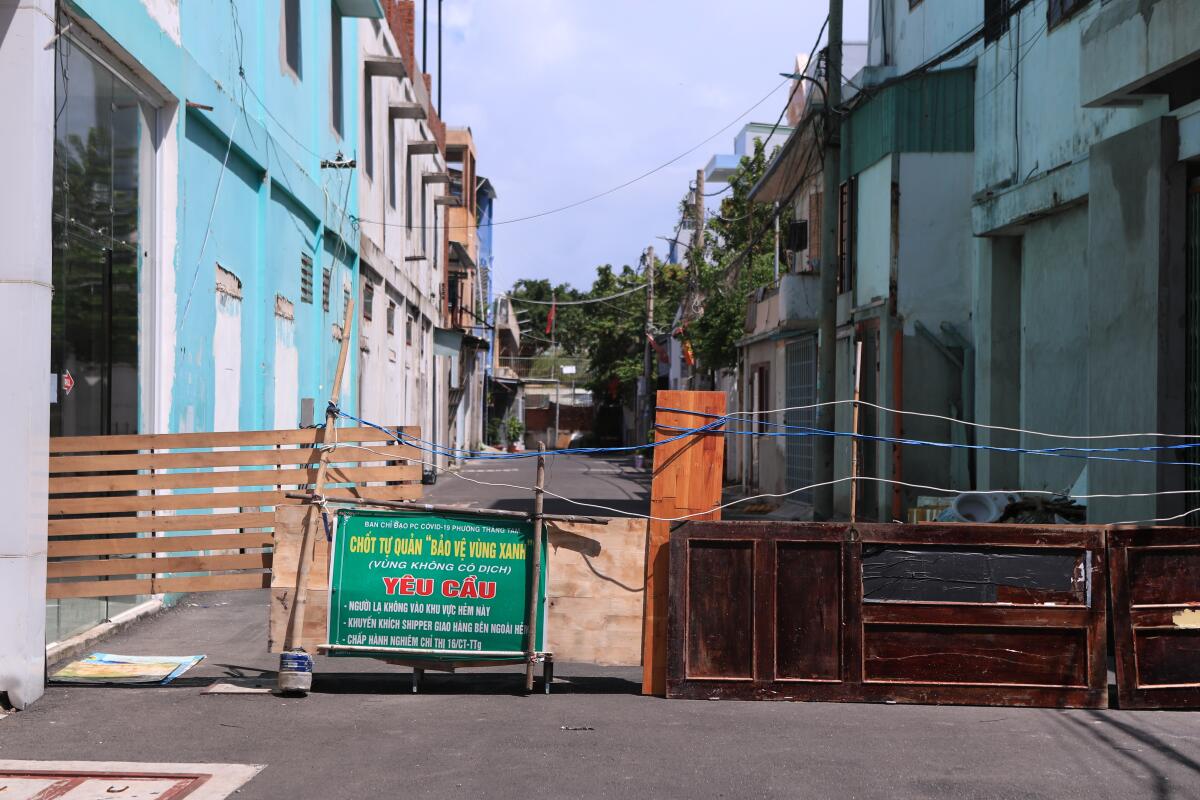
{"points": [[1136, 305], [27, 95], [997, 323]]}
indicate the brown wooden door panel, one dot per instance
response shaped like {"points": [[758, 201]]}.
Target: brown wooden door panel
{"points": [[1155, 587], [1006, 656], [720, 620], [808, 612], [1017, 615]]}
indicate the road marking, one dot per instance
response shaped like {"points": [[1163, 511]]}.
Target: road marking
{"points": [[97, 780], [490, 469]]}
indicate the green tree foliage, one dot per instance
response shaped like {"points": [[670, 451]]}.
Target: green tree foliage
{"points": [[738, 258], [608, 333], [568, 319]]}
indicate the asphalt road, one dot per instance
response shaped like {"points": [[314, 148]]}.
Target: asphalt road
{"points": [[603, 481], [363, 734]]}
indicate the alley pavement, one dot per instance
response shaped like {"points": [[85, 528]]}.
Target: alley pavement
{"points": [[363, 734], [608, 481]]}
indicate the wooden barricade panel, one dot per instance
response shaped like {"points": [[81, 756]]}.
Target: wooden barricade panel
{"points": [[1156, 616], [956, 614], [595, 598], [290, 521], [191, 512], [688, 475]]}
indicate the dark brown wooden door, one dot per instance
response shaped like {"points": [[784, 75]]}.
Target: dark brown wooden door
{"points": [[964, 614], [1156, 616]]}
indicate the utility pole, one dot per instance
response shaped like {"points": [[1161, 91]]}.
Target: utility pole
{"points": [[650, 366], [424, 35], [777, 241], [554, 362], [830, 207], [697, 251], [439, 104]]}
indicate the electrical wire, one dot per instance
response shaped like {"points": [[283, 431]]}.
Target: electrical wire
{"points": [[208, 227], [967, 423], [612, 190], [779, 495], [577, 302]]}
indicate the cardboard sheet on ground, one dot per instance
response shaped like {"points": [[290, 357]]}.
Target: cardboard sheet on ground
{"points": [[132, 670]]}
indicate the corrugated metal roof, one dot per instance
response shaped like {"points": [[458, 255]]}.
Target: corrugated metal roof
{"points": [[929, 113]]}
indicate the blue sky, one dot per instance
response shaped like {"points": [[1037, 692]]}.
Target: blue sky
{"points": [[568, 98]]}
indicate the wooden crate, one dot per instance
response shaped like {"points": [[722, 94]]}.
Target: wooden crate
{"points": [[191, 512]]}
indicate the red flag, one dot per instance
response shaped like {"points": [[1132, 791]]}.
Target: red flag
{"points": [[550, 317]]}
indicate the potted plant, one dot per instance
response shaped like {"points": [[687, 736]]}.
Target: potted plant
{"points": [[514, 428]]}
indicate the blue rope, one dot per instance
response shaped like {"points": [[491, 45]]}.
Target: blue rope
{"points": [[1056, 452], [472, 455]]}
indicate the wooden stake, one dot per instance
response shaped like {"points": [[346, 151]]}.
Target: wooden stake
{"points": [[535, 580], [854, 430], [295, 633]]}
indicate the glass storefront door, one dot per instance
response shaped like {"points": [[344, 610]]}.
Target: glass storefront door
{"points": [[101, 135]]}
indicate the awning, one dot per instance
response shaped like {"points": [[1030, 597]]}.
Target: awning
{"points": [[470, 342], [447, 342], [458, 251], [798, 160]]}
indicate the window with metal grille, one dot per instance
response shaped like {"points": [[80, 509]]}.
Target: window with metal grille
{"points": [[306, 278], [846, 234], [391, 318], [368, 310], [326, 282], [408, 331], [1059, 10], [995, 19]]}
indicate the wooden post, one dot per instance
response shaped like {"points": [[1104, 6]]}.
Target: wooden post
{"points": [[854, 431], [535, 580], [295, 634], [688, 474]]}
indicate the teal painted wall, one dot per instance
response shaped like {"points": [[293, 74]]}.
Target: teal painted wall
{"points": [[274, 202]]}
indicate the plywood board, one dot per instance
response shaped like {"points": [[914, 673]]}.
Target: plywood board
{"points": [[596, 591], [687, 480]]}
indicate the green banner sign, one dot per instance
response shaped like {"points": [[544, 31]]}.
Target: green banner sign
{"points": [[431, 585]]}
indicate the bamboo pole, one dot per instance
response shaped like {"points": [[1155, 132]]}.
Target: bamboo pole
{"points": [[535, 579], [295, 633], [854, 429]]}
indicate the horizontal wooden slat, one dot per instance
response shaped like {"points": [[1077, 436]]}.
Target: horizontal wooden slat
{"points": [[198, 583], [974, 615], [159, 441], [159, 566], [225, 478], [1069, 537], [226, 458], [89, 526], [175, 502], [157, 544]]}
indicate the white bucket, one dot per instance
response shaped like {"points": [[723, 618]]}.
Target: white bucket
{"points": [[977, 507]]}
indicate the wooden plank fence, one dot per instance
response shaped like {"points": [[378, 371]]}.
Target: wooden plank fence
{"points": [[190, 512]]}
